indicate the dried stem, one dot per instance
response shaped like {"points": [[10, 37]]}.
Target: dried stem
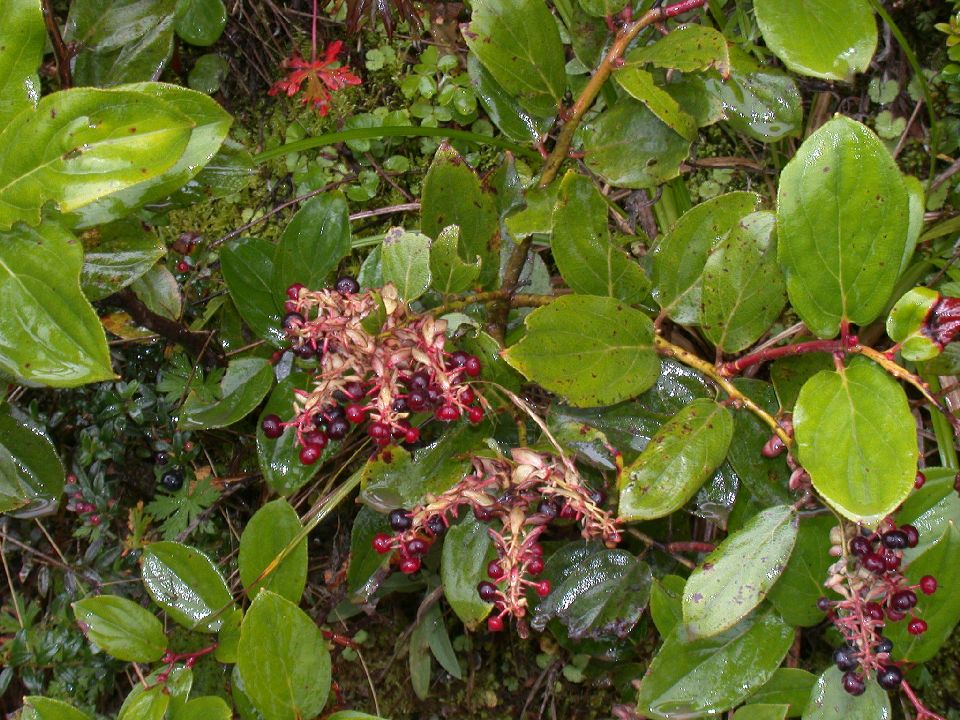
{"points": [[61, 52]]}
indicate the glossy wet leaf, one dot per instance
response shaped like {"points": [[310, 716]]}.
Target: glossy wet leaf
{"points": [[588, 34], [450, 272], [49, 333], [603, 596], [829, 700], [165, 697], [81, 145], [247, 266], [504, 110], [855, 436], [707, 676], [279, 458], [743, 288], [42, 708], [30, 469], [24, 35], [761, 712], [143, 58], [787, 686], [283, 659], [362, 580], [682, 455], [666, 603], [842, 222], [313, 243], [452, 195], [418, 659], [907, 324], [932, 509], [159, 291], [789, 375], [587, 259], [438, 640], [609, 342], [405, 262], [116, 255], [681, 254], [642, 86], [829, 39], [121, 628], [200, 22], [759, 101], [602, 8], [537, 216], [467, 548], [737, 576], [266, 535], [186, 584], [519, 44], [628, 146], [246, 382], [208, 73], [688, 48], [796, 593], [209, 707], [941, 611], [149, 705]]}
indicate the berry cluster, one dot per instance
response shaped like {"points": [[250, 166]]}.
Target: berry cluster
{"points": [[874, 592], [380, 376], [523, 494]]}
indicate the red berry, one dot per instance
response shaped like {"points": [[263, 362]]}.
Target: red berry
{"points": [[774, 447], [495, 569], [874, 611], [483, 513], [409, 566], [72, 479], [411, 435], [467, 395], [458, 359], [536, 550], [487, 591], [271, 426], [356, 414], [447, 413], [293, 292], [416, 400], [378, 431], [382, 543], [94, 519], [495, 623], [309, 454], [913, 535], [568, 512], [928, 584], [919, 481], [891, 561], [183, 266], [474, 414], [473, 367], [543, 588], [917, 627], [874, 563], [535, 566], [289, 306]]}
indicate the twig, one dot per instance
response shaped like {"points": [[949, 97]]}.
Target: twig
{"points": [[511, 278], [61, 52], [389, 210], [945, 175]]}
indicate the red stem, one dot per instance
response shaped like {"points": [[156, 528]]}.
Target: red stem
{"points": [[735, 367], [313, 34], [682, 7], [922, 712]]}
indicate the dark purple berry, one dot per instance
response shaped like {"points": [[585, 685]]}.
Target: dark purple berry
{"points": [[824, 604], [874, 563], [845, 659], [598, 497], [417, 547], [884, 646], [483, 513], [903, 600], [895, 615], [434, 395], [547, 509], [895, 539], [890, 677], [292, 320], [495, 569], [416, 400], [854, 684], [436, 525], [891, 560], [487, 590], [160, 458], [271, 426], [400, 520], [913, 536], [874, 611], [305, 351], [400, 405], [338, 429], [535, 566], [347, 285], [860, 546], [171, 480], [418, 381]]}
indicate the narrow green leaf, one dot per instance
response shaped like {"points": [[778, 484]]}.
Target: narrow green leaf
{"points": [[41, 708], [829, 701], [247, 266], [186, 584], [49, 333], [280, 458], [666, 603], [683, 454], [829, 39], [737, 576], [121, 628], [609, 343], [284, 660], [115, 255], [405, 262], [842, 223], [419, 659], [30, 469], [450, 273], [313, 243], [439, 641], [519, 44], [24, 37], [267, 533], [466, 551], [365, 562], [588, 261], [855, 436], [246, 382]]}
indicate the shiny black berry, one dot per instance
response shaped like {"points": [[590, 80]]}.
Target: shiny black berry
{"points": [[854, 684], [436, 525], [172, 480], [292, 320], [347, 285], [845, 659], [338, 429], [399, 520], [884, 646], [487, 591], [889, 678], [895, 539]]}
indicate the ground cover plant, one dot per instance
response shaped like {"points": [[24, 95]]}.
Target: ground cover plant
{"points": [[514, 358]]}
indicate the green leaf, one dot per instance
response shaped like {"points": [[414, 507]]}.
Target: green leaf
{"points": [[790, 373], [743, 289], [186, 584], [280, 458], [628, 146], [151, 704], [208, 73], [159, 291], [588, 35], [450, 274], [161, 696], [796, 593], [932, 509], [855, 435], [200, 22], [466, 551], [737, 576], [81, 145], [438, 640], [602, 8], [688, 48], [247, 266], [24, 37], [504, 111], [692, 678], [30, 469], [666, 603], [209, 707], [829, 701], [842, 222], [907, 324], [759, 711], [116, 255], [284, 660], [41, 708], [829, 39], [641, 86], [49, 333], [609, 343], [519, 44], [681, 254], [246, 382], [787, 686], [766, 479], [452, 195], [604, 596], [683, 454], [144, 58], [537, 216], [313, 243], [419, 661], [941, 611], [405, 262], [588, 261], [758, 101], [267, 533], [362, 575], [228, 637], [121, 628]]}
